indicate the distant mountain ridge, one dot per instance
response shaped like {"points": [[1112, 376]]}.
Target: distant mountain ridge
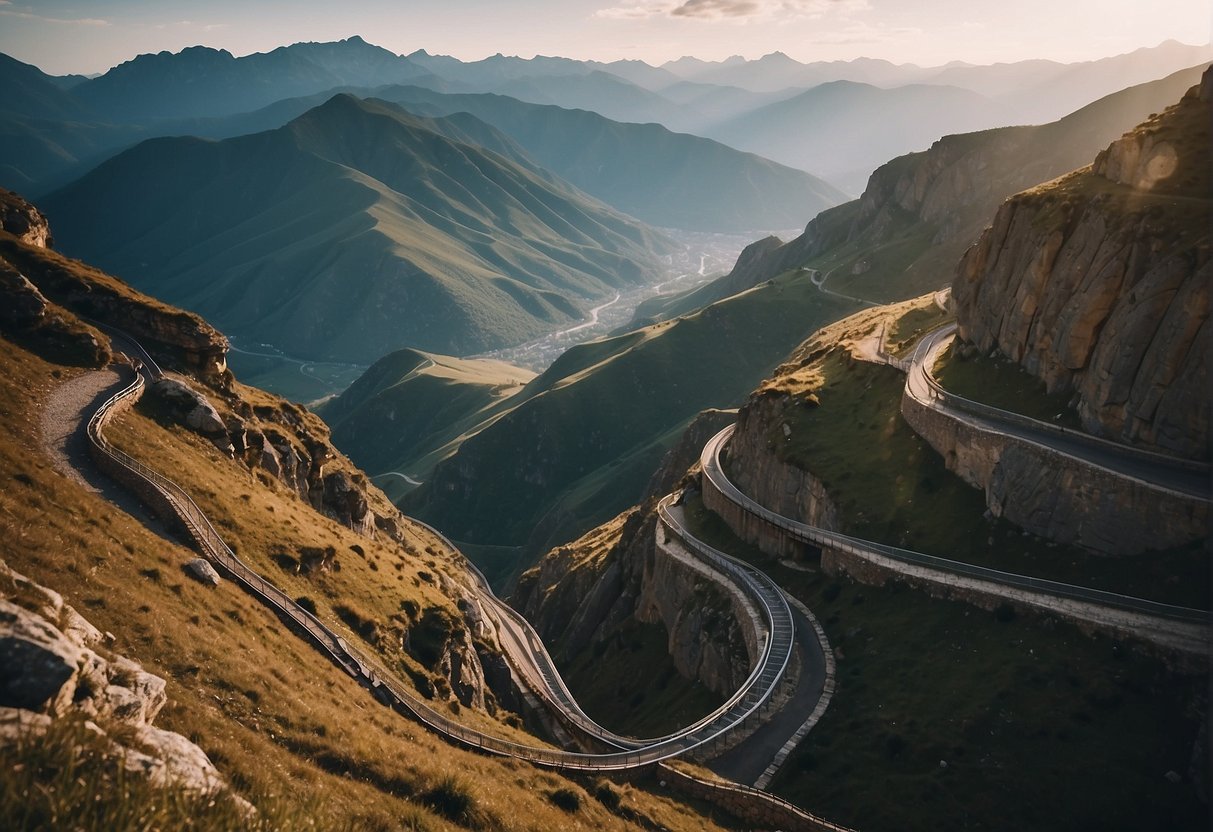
{"points": [[355, 230], [200, 81]]}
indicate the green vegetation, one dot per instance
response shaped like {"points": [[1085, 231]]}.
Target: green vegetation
{"points": [[889, 485], [411, 409], [577, 445], [605, 681], [1004, 384], [950, 717], [673, 180], [908, 328], [428, 233]]}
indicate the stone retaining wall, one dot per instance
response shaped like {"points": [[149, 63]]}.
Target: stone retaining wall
{"points": [[764, 811], [1056, 496]]}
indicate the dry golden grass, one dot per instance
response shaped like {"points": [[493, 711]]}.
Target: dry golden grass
{"points": [[278, 720]]}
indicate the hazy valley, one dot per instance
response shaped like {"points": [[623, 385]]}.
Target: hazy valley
{"points": [[399, 441]]}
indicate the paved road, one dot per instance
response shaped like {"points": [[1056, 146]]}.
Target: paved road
{"points": [[1157, 472], [746, 762]]}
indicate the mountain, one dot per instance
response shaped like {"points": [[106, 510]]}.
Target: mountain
{"points": [[668, 179], [842, 130], [509, 485], [137, 692], [920, 212], [30, 92], [578, 443], [1041, 91], [200, 81], [598, 91], [355, 230], [1098, 282]]}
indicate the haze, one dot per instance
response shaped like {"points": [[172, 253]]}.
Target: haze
{"points": [[68, 36]]}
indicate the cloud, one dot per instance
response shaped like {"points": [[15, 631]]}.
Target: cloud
{"points": [[67, 21], [714, 9], [729, 9]]}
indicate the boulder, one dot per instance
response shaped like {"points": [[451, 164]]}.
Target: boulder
{"points": [[201, 570], [38, 664]]}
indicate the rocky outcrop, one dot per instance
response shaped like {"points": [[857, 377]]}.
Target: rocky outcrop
{"points": [[1098, 283], [177, 338], [948, 192], [756, 468], [24, 221], [27, 312], [53, 666], [628, 570]]}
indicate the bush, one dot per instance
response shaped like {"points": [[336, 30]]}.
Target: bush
{"points": [[565, 798], [452, 798], [606, 794]]}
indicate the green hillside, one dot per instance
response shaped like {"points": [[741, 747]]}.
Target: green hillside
{"points": [[578, 443], [665, 178], [355, 230]]}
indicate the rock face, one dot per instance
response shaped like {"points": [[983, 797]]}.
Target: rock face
{"points": [[1098, 283], [52, 666], [24, 221], [583, 593], [757, 470]]}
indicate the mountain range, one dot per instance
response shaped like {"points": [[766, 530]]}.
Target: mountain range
{"points": [[354, 230]]}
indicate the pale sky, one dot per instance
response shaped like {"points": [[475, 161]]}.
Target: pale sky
{"points": [[88, 36]]}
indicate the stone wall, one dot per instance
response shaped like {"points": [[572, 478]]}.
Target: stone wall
{"points": [[1057, 497], [756, 808]]}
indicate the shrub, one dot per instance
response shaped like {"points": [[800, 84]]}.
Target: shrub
{"points": [[566, 799], [452, 797]]}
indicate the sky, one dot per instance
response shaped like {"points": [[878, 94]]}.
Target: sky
{"points": [[90, 36]]}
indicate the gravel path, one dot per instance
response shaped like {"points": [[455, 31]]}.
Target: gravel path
{"points": [[64, 423], [65, 415]]}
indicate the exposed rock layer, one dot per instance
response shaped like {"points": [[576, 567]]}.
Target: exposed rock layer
{"points": [[1098, 283]]}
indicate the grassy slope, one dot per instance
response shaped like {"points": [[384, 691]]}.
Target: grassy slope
{"points": [[889, 485], [666, 178], [587, 433], [410, 237], [275, 717], [1041, 727], [404, 411]]}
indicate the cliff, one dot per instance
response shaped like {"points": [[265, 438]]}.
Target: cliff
{"points": [[583, 594], [919, 212], [1098, 283]]}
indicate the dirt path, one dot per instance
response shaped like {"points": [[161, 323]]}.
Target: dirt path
{"points": [[64, 429], [65, 415]]}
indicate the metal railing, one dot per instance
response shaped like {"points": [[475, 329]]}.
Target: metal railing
{"points": [[712, 468], [389, 689], [995, 414]]}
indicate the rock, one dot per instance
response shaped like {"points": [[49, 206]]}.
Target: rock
{"points": [[146, 688], [38, 663], [17, 724], [195, 409], [24, 306], [78, 629], [25, 222], [1173, 777], [201, 571], [1104, 292]]}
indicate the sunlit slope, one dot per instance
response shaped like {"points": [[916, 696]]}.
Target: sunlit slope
{"points": [[352, 231], [666, 178]]}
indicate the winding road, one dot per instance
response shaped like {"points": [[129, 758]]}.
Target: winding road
{"points": [[522, 644]]}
